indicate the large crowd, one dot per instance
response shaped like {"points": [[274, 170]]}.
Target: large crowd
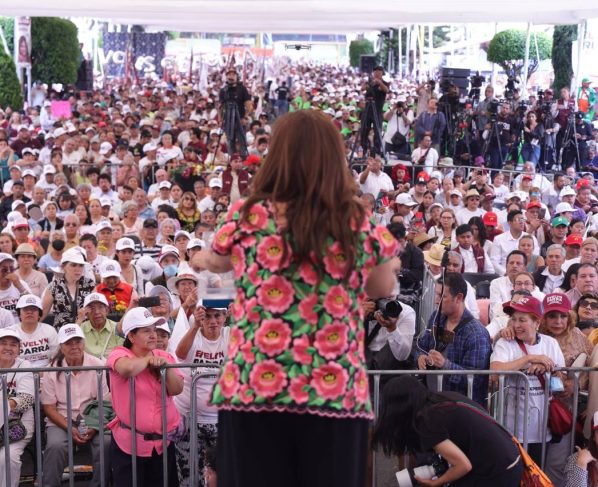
{"points": [[105, 214]]}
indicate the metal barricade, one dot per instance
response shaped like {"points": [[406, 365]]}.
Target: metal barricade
{"points": [[426, 304]]}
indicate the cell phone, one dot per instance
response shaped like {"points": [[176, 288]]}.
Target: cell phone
{"points": [[542, 213], [149, 301]]}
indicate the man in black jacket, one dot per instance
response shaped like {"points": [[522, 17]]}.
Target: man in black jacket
{"points": [[551, 276], [412, 258], [18, 190]]}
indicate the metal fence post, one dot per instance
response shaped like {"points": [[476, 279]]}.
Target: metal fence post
{"points": [[5, 413], [100, 396], [133, 431], [69, 422], [164, 428]]}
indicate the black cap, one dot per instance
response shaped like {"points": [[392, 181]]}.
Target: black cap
{"points": [[18, 182], [150, 222], [379, 68]]}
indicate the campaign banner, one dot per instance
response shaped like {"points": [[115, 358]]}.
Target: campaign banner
{"points": [[125, 53], [22, 41], [60, 109]]}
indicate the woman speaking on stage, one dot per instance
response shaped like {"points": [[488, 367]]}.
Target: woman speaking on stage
{"points": [[293, 394]]}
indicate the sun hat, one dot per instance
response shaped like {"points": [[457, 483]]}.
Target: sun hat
{"points": [[435, 254]]}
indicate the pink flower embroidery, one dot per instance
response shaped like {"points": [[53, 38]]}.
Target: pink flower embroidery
{"points": [[267, 378], [337, 302], [237, 338], [296, 389], [335, 261], [252, 314], [245, 394], [331, 340], [388, 244], [237, 309], [308, 273], [270, 252], [306, 309], [361, 386], [349, 400], [229, 380], [236, 206], [329, 380], [237, 258], [247, 352], [273, 337], [353, 355], [354, 280], [252, 274], [248, 241], [224, 237], [300, 353], [276, 294], [257, 219]]}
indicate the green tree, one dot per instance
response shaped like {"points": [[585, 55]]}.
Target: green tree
{"points": [[55, 53], [562, 44], [507, 49], [10, 88], [8, 27], [357, 48]]}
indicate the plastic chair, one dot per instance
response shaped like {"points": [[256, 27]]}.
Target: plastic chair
{"points": [[482, 290]]}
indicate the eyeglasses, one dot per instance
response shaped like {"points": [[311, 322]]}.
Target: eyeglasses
{"points": [[589, 304]]}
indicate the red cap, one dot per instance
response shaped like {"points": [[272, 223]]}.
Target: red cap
{"points": [[489, 196], [556, 302], [423, 175], [574, 239], [527, 176], [490, 219], [252, 160], [534, 204], [582, 183], [525, 304]]}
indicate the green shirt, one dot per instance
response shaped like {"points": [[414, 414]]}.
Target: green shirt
{"points": [[100, 343]]}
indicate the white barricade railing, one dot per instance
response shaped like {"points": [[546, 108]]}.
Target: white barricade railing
{"points": [[497, 407]]}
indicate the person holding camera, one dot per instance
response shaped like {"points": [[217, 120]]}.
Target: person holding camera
{"points": [[235, 92], [390, 327], [455, 340], [396, 138], [481, 112], [375, 91], [476, 450], [499, 136]]}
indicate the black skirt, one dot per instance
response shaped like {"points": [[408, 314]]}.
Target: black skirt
{"points": [[272, 449]]}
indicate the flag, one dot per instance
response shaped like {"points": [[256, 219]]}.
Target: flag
{"points": [[181, 326]]}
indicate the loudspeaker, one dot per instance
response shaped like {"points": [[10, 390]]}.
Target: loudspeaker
{"points": [[455, 73], [367, 63]]}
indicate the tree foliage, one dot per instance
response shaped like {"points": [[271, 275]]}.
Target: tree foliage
{"points": [[54, 50], [357, 48], [10, 88], [8, 27], [507, 49], [562, 44]]}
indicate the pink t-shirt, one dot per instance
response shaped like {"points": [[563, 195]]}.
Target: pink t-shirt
{"points": [[148, 405]]}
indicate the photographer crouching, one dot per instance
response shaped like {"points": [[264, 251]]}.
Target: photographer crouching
{"points": [[390, 327]]}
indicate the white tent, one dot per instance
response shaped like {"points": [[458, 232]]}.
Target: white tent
{"points": [[305, 15]]}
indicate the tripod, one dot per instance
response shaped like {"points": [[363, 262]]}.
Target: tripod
{"points": [[233, 129], [369, 117], [569, 142], [494, 133]]}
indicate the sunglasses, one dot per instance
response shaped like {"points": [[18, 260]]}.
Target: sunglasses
{"points": [[589, 304]]}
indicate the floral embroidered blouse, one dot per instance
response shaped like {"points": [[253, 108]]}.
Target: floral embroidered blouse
{"points": [[295, 346]]}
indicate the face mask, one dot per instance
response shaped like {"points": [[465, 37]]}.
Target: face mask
{"points": [[170, 270], [58, 245]]}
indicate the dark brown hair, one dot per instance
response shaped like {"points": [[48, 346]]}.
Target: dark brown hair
{"points": [[307, 170]]}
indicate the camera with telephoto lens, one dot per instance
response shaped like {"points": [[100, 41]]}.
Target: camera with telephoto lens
{"points": [[390, 308], [406, 477]]}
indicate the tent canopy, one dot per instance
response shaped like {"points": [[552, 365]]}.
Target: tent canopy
{"points": [[304, 15]]}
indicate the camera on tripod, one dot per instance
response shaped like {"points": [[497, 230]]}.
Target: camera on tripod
{"points": [[510, 87], [492, 109], [406, 477]]}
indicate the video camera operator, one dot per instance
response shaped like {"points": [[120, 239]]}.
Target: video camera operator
{"points": [[533, 133], [544, 115], [482, 110], [235, 91], [575, 143], [375, 91], [561, 112], [499, 135], [396, 138], [390, 328], [432, 121]]}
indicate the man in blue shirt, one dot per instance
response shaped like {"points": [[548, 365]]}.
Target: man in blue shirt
{"points": [[456, 341]]}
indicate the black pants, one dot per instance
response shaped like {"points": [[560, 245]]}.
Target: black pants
{"points": [[510, 478], [149, 469], [290, 450]]}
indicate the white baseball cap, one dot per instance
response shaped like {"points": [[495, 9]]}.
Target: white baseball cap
{"points": [[182, 233], [105, 201], [164, 327], [164, 185], [95, 298], [49, 169], [405, 199], [4, 257], [215, 183], [125, 243], [73, 256], [16, 203], [110, 268], [149, 267], [69, 331], [196, 242], [9, 332], [103, 225], [150, 146], [140, 318], [29, 172], [567, 191], [58, 132], [105, 147], [563, 207], [29, 300], [166, 250]]}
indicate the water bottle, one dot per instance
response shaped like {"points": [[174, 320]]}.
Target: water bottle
{"points": [[82, 428]]}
